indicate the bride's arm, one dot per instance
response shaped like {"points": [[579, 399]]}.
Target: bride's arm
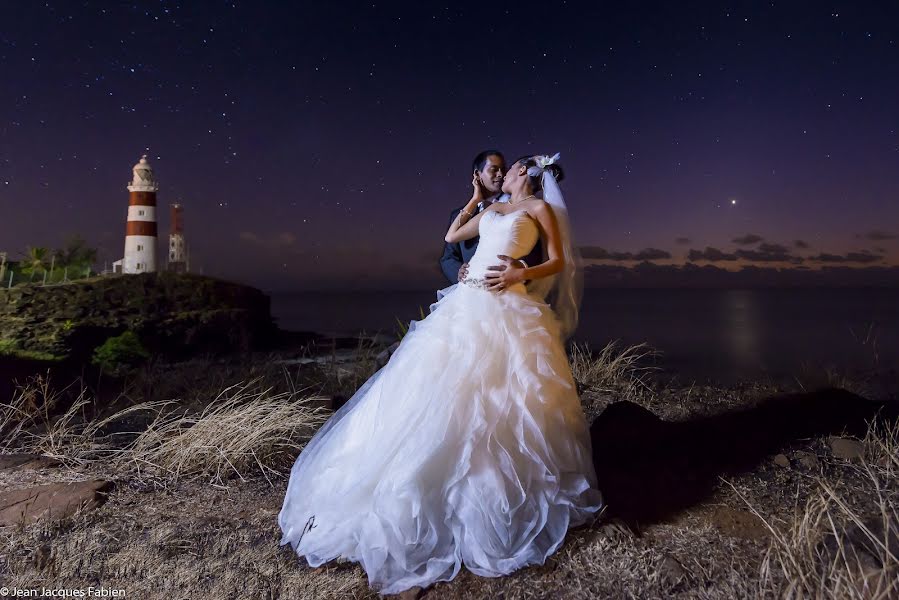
{"points": [[549, 229], [463, 227]]}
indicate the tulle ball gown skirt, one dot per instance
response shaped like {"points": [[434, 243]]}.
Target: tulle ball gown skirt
{"points": [[469, 446]]}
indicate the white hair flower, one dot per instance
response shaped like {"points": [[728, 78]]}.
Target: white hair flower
{"points": [[542, 162]]}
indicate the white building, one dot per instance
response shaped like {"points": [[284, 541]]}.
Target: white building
{"points": [[178, 256], [140, 230]]}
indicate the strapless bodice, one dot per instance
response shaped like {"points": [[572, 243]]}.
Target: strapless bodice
{"points": [[512, 234]]}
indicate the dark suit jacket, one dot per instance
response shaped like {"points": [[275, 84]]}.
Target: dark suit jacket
{"points": [[454, 254]]}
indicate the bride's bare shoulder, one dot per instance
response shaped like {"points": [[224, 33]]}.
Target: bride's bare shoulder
{"points": [[538, 206]]}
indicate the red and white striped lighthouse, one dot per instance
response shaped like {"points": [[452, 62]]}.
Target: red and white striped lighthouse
{"points": [[140, 231], [177, 248]]}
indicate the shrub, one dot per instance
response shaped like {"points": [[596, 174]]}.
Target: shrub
{"points": [[120, 353]]}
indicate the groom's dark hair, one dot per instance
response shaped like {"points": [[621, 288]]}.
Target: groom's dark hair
{"points": [[480, 161], [535, 180]]}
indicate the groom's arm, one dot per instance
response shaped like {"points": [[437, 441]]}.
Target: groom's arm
{"points": [[451, 261]]}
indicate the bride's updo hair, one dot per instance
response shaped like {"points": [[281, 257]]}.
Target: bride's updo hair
{"points": [[536, 180]]}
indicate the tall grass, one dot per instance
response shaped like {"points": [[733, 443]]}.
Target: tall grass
{"points": [[245, 428], [612, 370], [833, 548], [28, 422]]}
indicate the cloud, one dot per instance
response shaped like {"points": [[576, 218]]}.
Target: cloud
{"points": [[857, 257], [594, 252], [863, 257], [599, 253], [748, 239], [877, 235], [825, 257], [710, 254], [769, 253], [690, 275], [652, 254], [619, 256], [766, 252], [683, 241]]}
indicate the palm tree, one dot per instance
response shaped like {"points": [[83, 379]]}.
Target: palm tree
{"points": [[35, 258], [76, 253], [75, 257]]}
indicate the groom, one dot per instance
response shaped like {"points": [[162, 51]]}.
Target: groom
{"points": [[489, 167]]}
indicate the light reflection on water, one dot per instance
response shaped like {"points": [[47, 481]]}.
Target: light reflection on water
{"points": [[741, 330]]}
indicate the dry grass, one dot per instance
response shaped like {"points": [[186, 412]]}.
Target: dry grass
{"points": [[612, 374], [837, 546], [812, 377], [188, 541], [193, 540], [882, 450], [35, 421], [244, 429], [611, 368], [29, 408], [171, 529]]}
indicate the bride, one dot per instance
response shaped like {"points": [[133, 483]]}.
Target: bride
{"points": [[470, 445]]}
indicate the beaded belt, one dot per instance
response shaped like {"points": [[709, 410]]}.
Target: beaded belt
{"points": [[475, 282]]}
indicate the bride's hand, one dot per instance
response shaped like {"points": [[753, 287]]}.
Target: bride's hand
{"points": [[499, 277], [477, 194]]}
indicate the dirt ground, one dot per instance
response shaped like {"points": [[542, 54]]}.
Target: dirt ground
{"points": [[706, 488]]}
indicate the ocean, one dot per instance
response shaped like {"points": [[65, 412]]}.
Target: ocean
{"points": [[717, 334]]}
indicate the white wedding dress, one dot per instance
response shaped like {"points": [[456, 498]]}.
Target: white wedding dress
{"points": [[469, 446]]}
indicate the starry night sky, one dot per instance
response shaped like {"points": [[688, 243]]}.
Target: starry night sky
{"points": [[322, 145]]}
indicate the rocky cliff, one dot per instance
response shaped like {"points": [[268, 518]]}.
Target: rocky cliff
{"points": [[175, 315]]}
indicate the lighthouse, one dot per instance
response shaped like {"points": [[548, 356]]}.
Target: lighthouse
{"points": [[140, 231]]}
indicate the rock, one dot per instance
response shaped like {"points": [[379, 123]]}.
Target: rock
{"points": [[616, 530], [886, 534], [808, 460], [846, 448], [17, 462], [671, 571], [411, 594], [781, 460], [739, 523], [857, 543], [42, 556], [54, 500]]}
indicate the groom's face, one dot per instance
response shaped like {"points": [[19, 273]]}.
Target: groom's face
{"points": [[492, 174]]}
